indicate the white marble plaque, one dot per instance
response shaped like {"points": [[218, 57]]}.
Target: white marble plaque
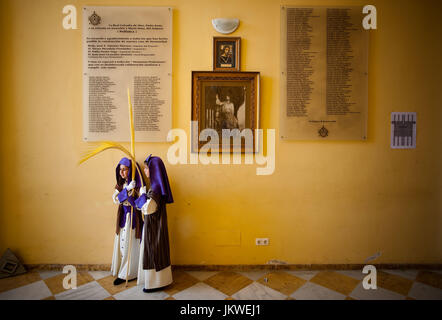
{"points": [[127, 47]]}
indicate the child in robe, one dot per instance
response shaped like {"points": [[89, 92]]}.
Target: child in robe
{"points": [[154, 270], [125, 195]]}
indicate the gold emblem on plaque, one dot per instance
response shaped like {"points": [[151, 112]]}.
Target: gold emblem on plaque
{"points": [[323, 132], [94, 19]]}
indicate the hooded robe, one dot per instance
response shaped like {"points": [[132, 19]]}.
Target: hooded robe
{"points": [[154, 263], [121, 242]]}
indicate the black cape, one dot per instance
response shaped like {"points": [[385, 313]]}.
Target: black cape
{"points": [[156, 236]]}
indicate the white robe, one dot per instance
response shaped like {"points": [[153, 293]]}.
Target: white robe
{"points": [[151, 278], [121, 250]]}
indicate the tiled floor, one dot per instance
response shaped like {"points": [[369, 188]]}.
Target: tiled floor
{"points": [[252, 285]]}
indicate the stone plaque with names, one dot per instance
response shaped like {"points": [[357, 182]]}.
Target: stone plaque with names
{"points": [[127, 47], [324, 73]]}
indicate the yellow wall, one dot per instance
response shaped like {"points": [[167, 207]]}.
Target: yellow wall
{"points": [[327, 202]]}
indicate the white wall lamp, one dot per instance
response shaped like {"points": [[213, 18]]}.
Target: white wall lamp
{"points": [[225, 25]]}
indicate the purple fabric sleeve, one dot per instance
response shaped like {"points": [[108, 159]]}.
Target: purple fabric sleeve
{"points": [[141, 201], [122, 196]]}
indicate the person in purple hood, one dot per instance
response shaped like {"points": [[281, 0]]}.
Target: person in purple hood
{"points": [[125, 195], [154, 270]]}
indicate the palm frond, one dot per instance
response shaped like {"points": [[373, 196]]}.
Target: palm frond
{"points": [[111, 145], [105, 146], [132, 131]]}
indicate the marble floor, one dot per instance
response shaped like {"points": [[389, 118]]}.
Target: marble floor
{"points": [[228, 285]]}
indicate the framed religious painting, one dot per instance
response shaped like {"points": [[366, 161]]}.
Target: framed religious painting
{"points": [[226, 53], [225, 111]]}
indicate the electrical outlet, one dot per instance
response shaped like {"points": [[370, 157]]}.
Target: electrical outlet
{"points": [[262, 241]]}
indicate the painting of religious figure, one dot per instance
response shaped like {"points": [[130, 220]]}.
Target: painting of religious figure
{"points": [[226, 53], [226, 102]]}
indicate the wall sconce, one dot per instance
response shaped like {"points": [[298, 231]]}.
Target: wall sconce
{"points": [[225, 25]]}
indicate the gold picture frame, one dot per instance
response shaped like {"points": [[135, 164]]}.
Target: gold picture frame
{"points": [[225, 100]]}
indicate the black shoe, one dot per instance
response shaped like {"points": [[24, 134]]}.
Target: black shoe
{"points": [[155, 289], [118, 281], [152, 290]]}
